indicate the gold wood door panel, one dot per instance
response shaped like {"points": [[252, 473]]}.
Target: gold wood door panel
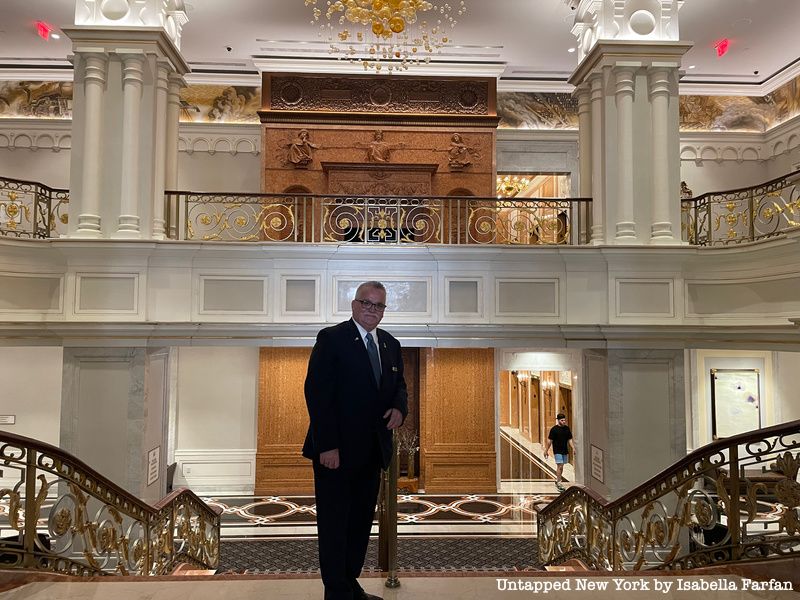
{"points": [[282, 423], [457, 428]]}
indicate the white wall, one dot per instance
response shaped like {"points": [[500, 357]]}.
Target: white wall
{"points": [[711, 176], [219, 172], [216, 418], [787, 386], [787, 162], [42, 166], [31, 390]]}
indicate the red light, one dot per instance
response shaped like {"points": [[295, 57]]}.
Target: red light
{"points": [[722, 46], [44, 29]]}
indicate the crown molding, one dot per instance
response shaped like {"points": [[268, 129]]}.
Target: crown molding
{"points": [[767, 86], [334, 66]]}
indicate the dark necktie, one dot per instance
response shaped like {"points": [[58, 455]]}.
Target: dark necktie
{"points": [[372, 350]]}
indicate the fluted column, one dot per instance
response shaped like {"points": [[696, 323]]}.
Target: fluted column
{"points": [[598, 160], [171, 166], [661, 228], [160, 151], [626, 227], [95, 72], [132, 80]]}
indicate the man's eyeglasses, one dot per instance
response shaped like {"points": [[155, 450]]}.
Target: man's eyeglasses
{"points": [[371, 305]]}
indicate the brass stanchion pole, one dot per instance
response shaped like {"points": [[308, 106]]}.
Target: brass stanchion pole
{"points": [[390, 499]]}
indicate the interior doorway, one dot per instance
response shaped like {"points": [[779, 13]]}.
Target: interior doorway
{"points": [[528, 400]]}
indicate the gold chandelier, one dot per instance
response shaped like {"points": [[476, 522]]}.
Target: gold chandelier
{"points": [[393, 33]]}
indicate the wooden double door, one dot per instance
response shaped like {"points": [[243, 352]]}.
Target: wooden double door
{"points": [[451, 397]]}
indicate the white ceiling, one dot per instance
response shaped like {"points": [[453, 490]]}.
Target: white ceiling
{"points": [[528, 38]]}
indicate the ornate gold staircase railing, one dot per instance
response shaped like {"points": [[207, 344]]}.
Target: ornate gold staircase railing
{"points": [[59, 515], [737, 499]]}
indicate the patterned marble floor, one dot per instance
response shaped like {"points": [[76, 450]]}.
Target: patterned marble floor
{"points": [[418, 514]]}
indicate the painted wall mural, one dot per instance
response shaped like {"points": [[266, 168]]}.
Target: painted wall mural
{"points": [[517, 110], [220, 104], [741, 113], [36, 99], [529, 110]]}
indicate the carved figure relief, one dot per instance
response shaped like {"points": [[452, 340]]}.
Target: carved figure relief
{"points": [[459, 154], [300, 151], [379, 150]]}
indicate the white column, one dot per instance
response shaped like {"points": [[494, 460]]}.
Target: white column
{"points": [[132, 80], [171, 167], [585, 139], [626, 227], [598, 161], [160, 151], [661, 228], [94, 73]]}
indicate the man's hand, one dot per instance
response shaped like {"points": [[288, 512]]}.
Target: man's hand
{"points": [[330, 458], [395, 418]]}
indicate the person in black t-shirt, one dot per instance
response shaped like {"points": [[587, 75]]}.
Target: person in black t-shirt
{"points": [[560, 438]]}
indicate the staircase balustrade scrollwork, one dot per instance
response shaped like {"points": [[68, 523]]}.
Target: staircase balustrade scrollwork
{"points": [[737, 499], [59, 515]]}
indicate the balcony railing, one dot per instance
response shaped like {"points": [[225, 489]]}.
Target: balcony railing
{"points": [[743, 215], [32, 210], [376, 220], [737, 499], [61, 516]]}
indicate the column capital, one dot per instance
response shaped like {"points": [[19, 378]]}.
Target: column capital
{"points": [[95, 67], [624, 79], [132, 66], [659, 80], [598, 20]]}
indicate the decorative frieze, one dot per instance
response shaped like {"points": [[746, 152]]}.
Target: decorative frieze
{"points": [[399, 95]]}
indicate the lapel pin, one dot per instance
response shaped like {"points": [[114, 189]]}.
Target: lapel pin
{"points": [[394, 369]]}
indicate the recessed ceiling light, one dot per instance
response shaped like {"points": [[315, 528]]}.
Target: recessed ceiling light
{"points": [[55, 36], [692, 66], [571, 50]]}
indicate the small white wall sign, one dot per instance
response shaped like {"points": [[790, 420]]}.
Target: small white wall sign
{"points": [[153, 460], [597, 464]]}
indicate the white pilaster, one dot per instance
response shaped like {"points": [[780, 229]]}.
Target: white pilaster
{"points": [[661, 230], [598, 160], [629, 52], [94, 66], [121, 121], [583, 94], [171, 166], [160, 150], [132, 71], [624, 90]]}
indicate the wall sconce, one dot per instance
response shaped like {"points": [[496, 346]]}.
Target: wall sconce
{"points": [[521, 376]]}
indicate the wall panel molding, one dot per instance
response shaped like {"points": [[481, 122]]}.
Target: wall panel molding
{"points": [[217, 471]]}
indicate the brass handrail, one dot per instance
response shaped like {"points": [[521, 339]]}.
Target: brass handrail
{"points": [[72, 520], [387, 520], [705, 509], [742, 215]]}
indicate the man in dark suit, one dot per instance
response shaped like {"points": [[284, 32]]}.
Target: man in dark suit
{"points": [[356, 394]]}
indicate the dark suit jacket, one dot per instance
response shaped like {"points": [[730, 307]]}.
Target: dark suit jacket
{"points": [[345, 404]]}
